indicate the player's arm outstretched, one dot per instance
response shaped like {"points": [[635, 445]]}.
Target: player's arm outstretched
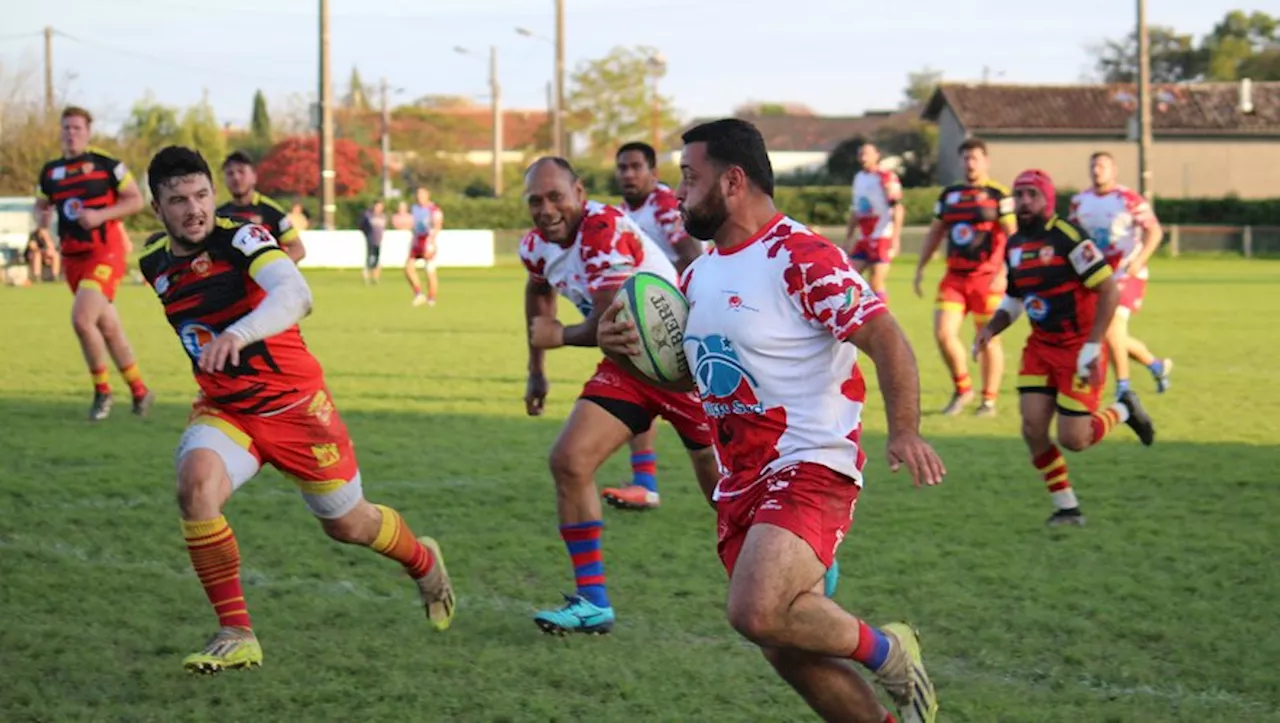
{"points": [[287, 302], [539, 304]]}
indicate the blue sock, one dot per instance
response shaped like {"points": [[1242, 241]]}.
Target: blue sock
{"points": [[1157, 367], [873, 646], [644, 470], [583, 543], [1122, 386]]}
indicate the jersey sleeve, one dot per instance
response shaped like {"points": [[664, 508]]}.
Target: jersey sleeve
{"points": [[43, 185], [281, 227], [253, 247], [1004, 204], [1139, 209], [536, 266], [826, 289], [892, 187], [611, 253], [941, 203], [120, 173], [1086, 259], [668, 217], [1073, 214], [150, 252]]}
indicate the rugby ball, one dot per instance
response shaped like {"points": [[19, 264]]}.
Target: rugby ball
{"points": [[660, 313]]}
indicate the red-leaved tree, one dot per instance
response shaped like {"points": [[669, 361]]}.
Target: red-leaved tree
{"points": [[292, 167]]}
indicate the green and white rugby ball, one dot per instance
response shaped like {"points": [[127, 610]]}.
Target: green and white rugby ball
{"points": [[660, 313]]}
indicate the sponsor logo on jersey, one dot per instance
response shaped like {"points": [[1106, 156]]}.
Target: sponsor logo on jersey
{"points": [[71, 209], [726, 385], [962, 234], [195, 336], [1037, 308]]}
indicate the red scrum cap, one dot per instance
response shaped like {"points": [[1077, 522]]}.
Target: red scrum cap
{"points": [[1040, 181]]}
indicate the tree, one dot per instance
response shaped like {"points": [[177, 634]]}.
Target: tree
{"points": [[843, 161], [920, 85], [916, 143], [1174, 57], [1243, 46], [27, 140], [200, 130], [260, 123], [151, 124], [356, 98], [610, 99], [292, 167]]}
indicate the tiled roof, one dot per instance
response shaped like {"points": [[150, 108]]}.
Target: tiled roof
{"points": [[817, 133], [1192, 109]]}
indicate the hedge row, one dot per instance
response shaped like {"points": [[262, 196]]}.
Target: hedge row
{"points": [[818, 206]]}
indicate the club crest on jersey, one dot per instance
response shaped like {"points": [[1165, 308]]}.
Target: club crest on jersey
{"points": [[735, 303], [1046, 254], [195, 336], [727, 387], [71, 209], [201, 264], [962, 234], [1037, 308]]}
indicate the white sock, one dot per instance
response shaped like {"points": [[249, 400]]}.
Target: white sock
{"points": [[1122, 412], [1064, 499]]}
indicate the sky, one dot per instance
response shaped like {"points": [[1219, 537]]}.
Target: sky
{"points": [[839, 57]]}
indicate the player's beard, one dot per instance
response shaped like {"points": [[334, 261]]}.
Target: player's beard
{"points": [[184, 243], [703, 222]]}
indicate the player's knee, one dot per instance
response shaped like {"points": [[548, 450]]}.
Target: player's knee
{"points": [[84, 319], [754, 619], [202, 484], [1074, 438], [569, 469], [357, 527], [1035, 432]]}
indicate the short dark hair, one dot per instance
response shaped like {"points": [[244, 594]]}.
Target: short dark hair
{"points": [[175, 162], [973, 144], [558, 161], [75, 111], [1102, 154], [650, 155], [736, 142], [237, 157]]}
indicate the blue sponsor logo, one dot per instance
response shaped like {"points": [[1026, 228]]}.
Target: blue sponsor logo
{"points": [[1101, 237], [864, 206], [721, 376], [194, 337], [1037, 308], [962, 234]]}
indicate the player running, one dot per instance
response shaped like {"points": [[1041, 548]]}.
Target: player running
{"points": [[975, 218], [778, 374], [92, 192], [654, 208], [1063, 281], [235, 300], [876, 215], [584, 251], [1114, 217], [428, 219], [249, 206]]}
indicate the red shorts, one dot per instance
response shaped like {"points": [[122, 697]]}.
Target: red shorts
{"points": [[682, 409], [1052, 370], [103, 267], [308, 443], [972, 294], [1132, 289], [872, 250], [421, 249], [812, 501]]}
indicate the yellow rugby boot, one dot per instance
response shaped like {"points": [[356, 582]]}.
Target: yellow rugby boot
{"points": [[904, 677], [436, 589], [228, 648]]}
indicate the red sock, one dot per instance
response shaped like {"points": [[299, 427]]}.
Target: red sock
{"points": [[216, 559], [100, 380], [133, 376], [1102, 422], [989, 395], [963, 385], [1053, 468]]}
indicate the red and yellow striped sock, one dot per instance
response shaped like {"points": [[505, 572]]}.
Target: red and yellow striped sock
{"points": [[1053, 467], [1102, 422], [216, 559], [963, 385], [133, 376], [989, 395], [101, 382], [396, 541]]}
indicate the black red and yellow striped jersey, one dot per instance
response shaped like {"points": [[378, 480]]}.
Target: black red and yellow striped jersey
{"points": [[205, 292], [263, 211], [93, 179], [1054, 270], [972, 216]]}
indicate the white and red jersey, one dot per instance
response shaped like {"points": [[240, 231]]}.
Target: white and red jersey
{"points": [[875, 193], [767, 346], [659, 217], [1113, 219], [608, 249]]}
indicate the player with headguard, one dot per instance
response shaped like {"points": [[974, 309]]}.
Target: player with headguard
{"points": [[777, 373], [975, 219], [1115, 217], [92, 192], [1065, 284], [235, 299], [654, 208], [249, 206], [584, 251], [876, 216]]}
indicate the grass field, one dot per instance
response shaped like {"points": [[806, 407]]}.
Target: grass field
{"points": [[1163, 609]]}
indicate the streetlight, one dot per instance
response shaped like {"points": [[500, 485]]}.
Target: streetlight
{"points": [[386, 137], [657, 66], [495, 95], [557, 106]]}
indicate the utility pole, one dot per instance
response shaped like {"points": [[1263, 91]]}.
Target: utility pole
{"points": [[386, 141], [558, 131], [495, 94], [1144, 104], [327, 205], [48, 71]]}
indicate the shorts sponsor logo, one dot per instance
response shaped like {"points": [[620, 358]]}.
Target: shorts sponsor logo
{"points": [[321, 408], [327, 455]]}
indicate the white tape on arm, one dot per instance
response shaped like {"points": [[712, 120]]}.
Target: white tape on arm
{"points": [[287, 302], [1011, 306]]}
